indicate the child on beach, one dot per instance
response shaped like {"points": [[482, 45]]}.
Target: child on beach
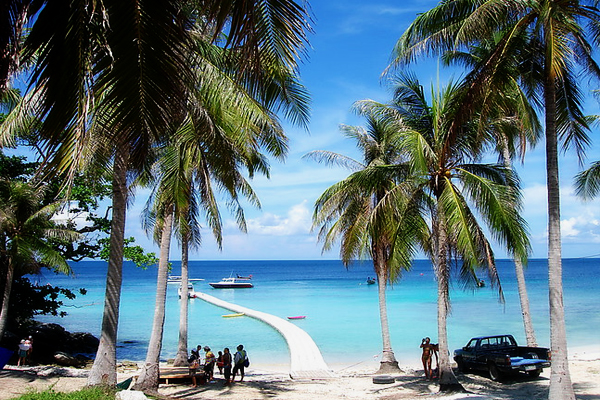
{"points": [[220, 362]]}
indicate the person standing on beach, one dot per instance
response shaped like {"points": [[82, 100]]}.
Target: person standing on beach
{"points": [[199, 353], [227, 365], [209, 363], [426, 356], [220, 362], [25, 348], [239, 360]]}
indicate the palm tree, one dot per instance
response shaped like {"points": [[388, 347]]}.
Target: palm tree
{"points": [[561, 35], [127, 64], [25, 227], [520, 122], [452, 188], [361, 213], [227, 125]]}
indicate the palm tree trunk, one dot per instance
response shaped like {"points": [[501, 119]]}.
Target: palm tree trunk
{"points": [[519, 270], [6, 297], [148, 379], [524, 298], [448, 381], [104, 369], [181, 359], [388, 362], [561, 387]]}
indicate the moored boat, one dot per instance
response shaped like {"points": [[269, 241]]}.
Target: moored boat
{"points": [[297, 317], [177, 279], [191, 293], [232, 283]]}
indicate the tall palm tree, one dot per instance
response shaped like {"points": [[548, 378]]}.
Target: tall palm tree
{"points": [[229, 123], [127, 64], [360, 212], [502, 94], [561, 36], [25, 226], [453, 189]]}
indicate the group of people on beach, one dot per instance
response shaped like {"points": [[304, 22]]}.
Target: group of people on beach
{"points": [[229, 365], [429, 350]]}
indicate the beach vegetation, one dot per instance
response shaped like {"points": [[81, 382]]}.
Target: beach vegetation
{"points": [[561, 37], [26, 225], [587, 183], [502, 91], [361, 211], [226, 132], [91, 393], [108, 80], [454, 191]]}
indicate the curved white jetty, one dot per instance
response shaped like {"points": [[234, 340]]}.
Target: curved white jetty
{"points": [[306, 359]]}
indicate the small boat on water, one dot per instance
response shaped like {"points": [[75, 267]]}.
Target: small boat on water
{"points": [[240, 314], [371, 281], [232, 283], [177, 279], [297, 317], [191, 293], [244, 277]]}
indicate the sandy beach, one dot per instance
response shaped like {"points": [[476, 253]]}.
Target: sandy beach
{"points": [[350, 383]]}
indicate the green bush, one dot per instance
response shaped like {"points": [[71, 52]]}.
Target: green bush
{"points": [[94, 393]]}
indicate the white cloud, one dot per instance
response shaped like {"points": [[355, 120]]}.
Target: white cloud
{"points": [[297, 221]]}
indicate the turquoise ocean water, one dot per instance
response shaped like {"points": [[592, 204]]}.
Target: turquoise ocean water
{"points": [[342, 314]]}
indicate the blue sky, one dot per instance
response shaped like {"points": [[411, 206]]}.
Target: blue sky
{"points": [[350, 49]]}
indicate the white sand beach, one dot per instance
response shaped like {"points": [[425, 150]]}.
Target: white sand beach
{"points": [[355, 382]]}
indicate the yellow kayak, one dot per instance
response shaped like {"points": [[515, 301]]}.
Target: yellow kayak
{"points": [[233, 315]]}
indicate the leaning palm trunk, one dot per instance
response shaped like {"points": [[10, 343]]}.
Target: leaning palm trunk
{"points": [[388, 360], [561, 387], [104, 369], [182, 349], [524, 298], [519, 270], [148, 379], [6, 297], [448, 381]]}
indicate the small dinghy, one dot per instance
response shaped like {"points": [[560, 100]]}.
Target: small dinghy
{"points": [[297, 317]]}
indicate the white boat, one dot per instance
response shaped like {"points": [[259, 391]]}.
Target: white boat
{"points": [[177, 279], [232, 283], [191, 293]]}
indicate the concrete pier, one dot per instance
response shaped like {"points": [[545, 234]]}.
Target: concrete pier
{"points": [[306, 361]]}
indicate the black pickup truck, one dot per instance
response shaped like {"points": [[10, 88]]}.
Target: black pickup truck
{"points": [[500, 356]]}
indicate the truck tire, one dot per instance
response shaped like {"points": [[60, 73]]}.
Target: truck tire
{"points": [[383, 379], [461, 365], [495, 373], [534, 374]]}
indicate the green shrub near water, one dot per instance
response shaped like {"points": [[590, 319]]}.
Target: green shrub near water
{"points": [[94, 393]]}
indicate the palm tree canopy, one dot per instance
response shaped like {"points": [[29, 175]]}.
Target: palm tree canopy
{"points": [[24, 227], [562, 31], [445, 165]]}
